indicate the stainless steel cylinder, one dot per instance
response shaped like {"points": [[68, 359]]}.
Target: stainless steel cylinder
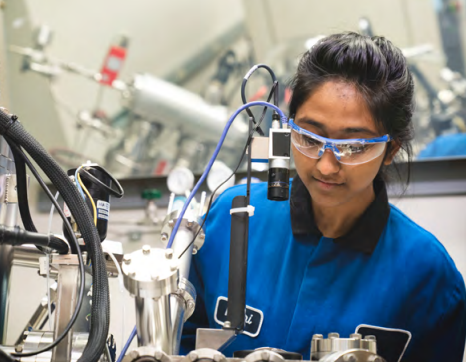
{"points": [[154, 324]]}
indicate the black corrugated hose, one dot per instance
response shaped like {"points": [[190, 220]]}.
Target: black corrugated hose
{"points": [[10, 127]]}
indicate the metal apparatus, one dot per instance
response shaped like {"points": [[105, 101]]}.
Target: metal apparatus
{"points": [[158, 279]]}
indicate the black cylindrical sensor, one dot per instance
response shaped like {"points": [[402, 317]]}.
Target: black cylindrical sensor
{"points": [[278, 184], [98, 182]]}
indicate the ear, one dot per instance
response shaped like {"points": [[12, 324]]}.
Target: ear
{"points": [[394, 148]]}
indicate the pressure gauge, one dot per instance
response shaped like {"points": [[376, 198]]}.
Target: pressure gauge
{"points": [[180, 180], [218, 174]]}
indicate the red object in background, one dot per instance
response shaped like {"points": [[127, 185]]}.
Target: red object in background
{"points": [[114, 61]]}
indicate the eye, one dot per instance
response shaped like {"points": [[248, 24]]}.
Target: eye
{"points": [[310, 142], [355, 148]]}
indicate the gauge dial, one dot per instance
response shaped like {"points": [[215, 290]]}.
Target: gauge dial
{"points": [[180, 180], [218, 174]]}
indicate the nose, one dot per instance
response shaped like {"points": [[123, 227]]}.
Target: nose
{"points": [[328, 164]]}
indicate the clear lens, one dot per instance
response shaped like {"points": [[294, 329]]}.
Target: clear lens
{"points": [[346, 153]]}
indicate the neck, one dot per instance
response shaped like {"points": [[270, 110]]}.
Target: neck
{"points": [[336, 221]]}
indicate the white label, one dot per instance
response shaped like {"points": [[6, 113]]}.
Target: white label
{"points": [[66, 210], [103, 208], [103, 205]]}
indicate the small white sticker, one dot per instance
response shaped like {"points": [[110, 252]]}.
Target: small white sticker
{"points": [[103, 208], [103, 216], [66, 210]]}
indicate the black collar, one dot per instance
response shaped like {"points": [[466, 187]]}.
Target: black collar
{"points": [[364, 235]]}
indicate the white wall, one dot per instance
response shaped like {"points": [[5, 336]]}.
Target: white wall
{"points": [[163, 35]]}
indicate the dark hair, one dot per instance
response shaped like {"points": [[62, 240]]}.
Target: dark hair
{"points": [[379, 72]]}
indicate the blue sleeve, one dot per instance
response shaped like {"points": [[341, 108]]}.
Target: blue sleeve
{"points": [[446, 341]]}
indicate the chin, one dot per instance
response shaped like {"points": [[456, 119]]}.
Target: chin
{"points": [[328, 198]]}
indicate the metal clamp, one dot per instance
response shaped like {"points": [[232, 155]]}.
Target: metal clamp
{"points": [[264, 355], [204, 354]]}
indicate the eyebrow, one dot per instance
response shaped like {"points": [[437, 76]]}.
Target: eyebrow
{"points": [[348, 130]]}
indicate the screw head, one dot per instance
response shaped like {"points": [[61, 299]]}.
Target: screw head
{"points": [[333, 335], [174, 266], [146, 249], [218, 357], [19, 348], [134, 354], [317, 336], [158, 355], [350, 358], [164, 237], [202, 236], [227, 324], [190, 304], [194, 250], [355, 336], [193, 356], [154, 276], [170, 223], [189, 224], [127, 259], [169, 253], [372, 338], [265, 356]]}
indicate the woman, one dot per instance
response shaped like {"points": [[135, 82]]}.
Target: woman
{"points": [[337, 255]]}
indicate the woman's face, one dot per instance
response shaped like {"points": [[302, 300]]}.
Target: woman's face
{"points": [[336, 110]]}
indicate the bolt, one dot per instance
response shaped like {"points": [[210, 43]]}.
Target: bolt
{"points": [[134, 354], [193, 356], [227, 324], [132, 274], [158, 355], [19, 348], [169, 253], [146, 249], [317, 336], [127, 259], [174, 266], [218, 357], [154, 276], [194, 250], [350, 358], [189, 224], [265, 356], [170, 223], [202, 236], [355, 336], [333, 335], [190, 304], [372, 338], [164, 236]]}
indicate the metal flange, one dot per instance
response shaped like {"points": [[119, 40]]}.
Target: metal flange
{"points": [[150, 273], [189, 223], [352, 355]]}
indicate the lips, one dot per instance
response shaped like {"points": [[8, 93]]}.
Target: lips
{"points": [[327, 185]]}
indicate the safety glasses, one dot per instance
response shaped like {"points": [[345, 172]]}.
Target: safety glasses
{"points": [[347, 151]]}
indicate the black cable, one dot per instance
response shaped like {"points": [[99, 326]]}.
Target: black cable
{"points": [[80, 258], [16, 236], [244, 83], [88, 176], [247, 145], [100, 300]]}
